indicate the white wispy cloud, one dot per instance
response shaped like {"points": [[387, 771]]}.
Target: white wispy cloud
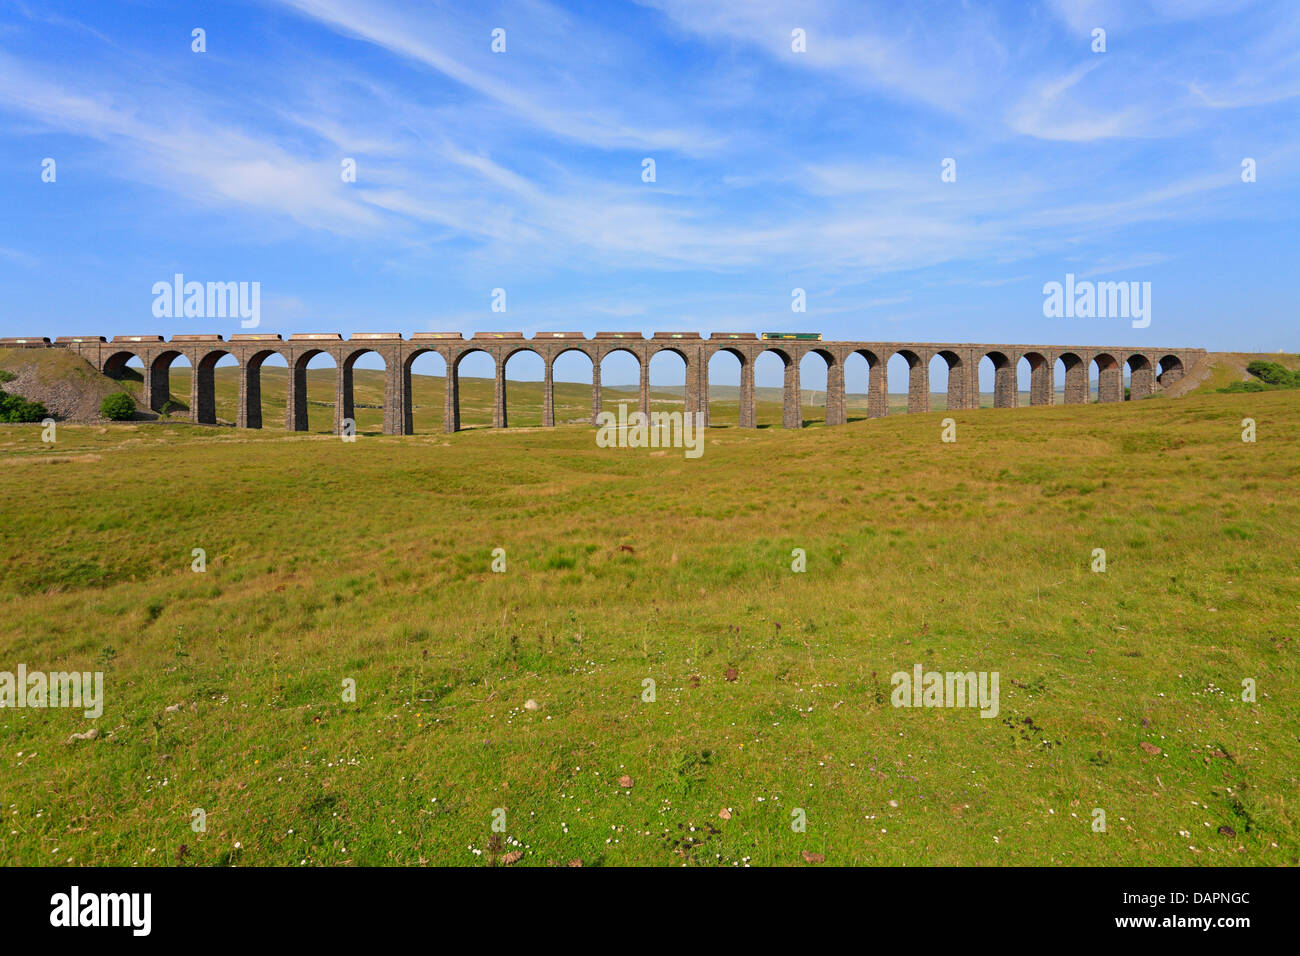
{"points": [[427, 37], [771, 163]]}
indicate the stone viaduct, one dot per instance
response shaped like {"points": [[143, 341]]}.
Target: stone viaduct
{"points": [[1150, 369]]}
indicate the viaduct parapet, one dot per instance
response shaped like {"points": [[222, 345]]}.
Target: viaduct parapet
{"points": [[1150, 369]]}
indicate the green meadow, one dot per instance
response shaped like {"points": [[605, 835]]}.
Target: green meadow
{"points": [[330, 562]]}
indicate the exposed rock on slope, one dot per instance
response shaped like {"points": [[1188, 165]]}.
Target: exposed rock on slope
{"points": [[65, 383], [1220, 369]]}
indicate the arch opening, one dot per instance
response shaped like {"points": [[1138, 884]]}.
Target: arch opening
{"points": [[948, 386], [1110, 378], [997, 378], [315, 400], [214, 397], [124, 366], [573, 400], [426, 370], [473, 389], [158, 395], [269, 368], [670, 385], [910, 374], [523, 385], [1141, 376], [1171, 370], [621, 380], [866, 381], [775, 377], [1071, 379], [727, 397], [1034, 380], [821, 388]]}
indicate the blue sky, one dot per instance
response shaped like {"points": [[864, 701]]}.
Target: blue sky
{"points": [[775, 169]]}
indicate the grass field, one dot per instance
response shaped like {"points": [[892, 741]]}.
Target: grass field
{"points": [[370, 561]]}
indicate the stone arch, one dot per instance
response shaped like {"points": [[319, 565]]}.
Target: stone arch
{"points": [[1075, 379], [250, 387], [529, 394], [781, 353], [1110, 378], [1171, 370], [1142, 380], [465, 353], [115, 366], [1005, 393], [433, 407], [834, 390], [744, 387], [157, 391], [620, 397], [408, 363], [573, 348], [566, 411], [453, 372], [791, 413], [918, 379], [877, 390], [1039, 384], [521, 348], [203, 387], [687, 374], [297, 414], [659, 349], [957, 372]]}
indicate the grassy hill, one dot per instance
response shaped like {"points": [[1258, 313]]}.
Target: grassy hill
{"points": [[370, 562]]}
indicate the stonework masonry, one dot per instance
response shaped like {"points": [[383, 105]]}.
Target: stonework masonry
{"points": [[1150, 369]]}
